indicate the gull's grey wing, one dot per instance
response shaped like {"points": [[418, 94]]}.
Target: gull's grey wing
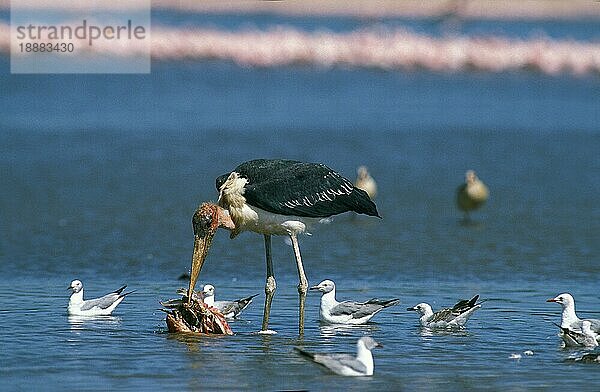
{"points": [[340, 362], [102, 302], [384, 302], [462, 318], [463, 308], [235, 307], [576, 338], [465, 304], [355, 309], [226, 306], [595, 325], [445, 314]]}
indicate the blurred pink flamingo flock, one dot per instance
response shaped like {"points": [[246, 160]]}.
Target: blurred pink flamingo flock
{"points": [[375, 47]]}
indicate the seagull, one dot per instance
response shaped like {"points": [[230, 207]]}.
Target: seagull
{"points": [[586, 337], [454, 317], [472, 194], [347, 312], [365, 182], [102, 306], [275, 197], [569, 318], [230, 309], [345, 364]]}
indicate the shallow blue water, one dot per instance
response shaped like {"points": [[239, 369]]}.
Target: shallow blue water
{"points": [[100, 176]]}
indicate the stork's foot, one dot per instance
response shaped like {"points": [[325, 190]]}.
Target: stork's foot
{"points": [[195, 317]]}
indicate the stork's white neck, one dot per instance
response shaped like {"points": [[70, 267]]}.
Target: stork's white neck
{"points": [[231, 192]]}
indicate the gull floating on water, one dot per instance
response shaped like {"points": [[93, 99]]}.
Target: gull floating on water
{"points": [[102, 306], [586, 337], [345, 364], [230, 309], [472, 194], [570, 320], [347, 312], [454, 317], [365, 182]]}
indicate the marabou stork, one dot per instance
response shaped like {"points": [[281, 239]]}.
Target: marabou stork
{"points": [[275, 197]]}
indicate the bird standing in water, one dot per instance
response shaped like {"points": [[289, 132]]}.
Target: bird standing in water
{"points": [[275, 197], [472, 194], [365, 182]]}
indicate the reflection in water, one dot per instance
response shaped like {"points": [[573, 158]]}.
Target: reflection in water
{"points": [[80, 323], [331, 330], [428, 332]]}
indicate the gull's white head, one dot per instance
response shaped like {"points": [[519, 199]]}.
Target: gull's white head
{"points": [[362, 172], [76, 286], [470, 176], [325, 286], [423, 308], [368, 342], [566, 300], [208, 291]]}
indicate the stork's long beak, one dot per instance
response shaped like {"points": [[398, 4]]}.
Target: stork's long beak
{"points": [[551, 300], [206, 220], [201, 247], [412, 308], [314, 288]]}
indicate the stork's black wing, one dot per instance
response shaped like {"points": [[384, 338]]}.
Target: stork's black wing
{"points": [[300, 189]]}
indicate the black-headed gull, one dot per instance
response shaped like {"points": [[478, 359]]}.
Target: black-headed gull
{"points": [[454, 317], [345, 364], [102, 306], [347, 312], [569, 318]]}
